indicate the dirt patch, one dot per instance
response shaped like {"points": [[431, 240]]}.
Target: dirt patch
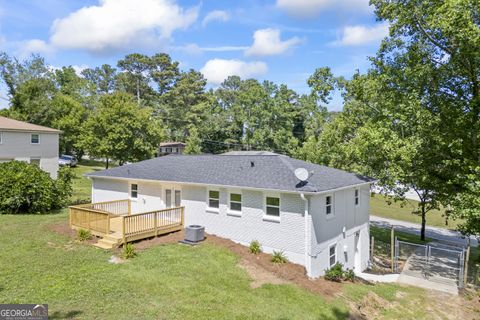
{"points": [[168, 238], [446, 306], [64, 229], [288, 272], [259, 275], [372, 305]]}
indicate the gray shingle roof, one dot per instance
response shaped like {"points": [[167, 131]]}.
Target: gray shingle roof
{"points": [[272, 172]]}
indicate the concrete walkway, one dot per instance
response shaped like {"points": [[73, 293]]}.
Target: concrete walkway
{"points": [[439, 234]]}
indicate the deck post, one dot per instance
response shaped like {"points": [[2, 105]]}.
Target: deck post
{"points": [[155, 223], [129, 207], [182, 218], [88, 220], [123, 230], [107, 231]]}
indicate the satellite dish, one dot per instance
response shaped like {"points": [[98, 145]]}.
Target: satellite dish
{"points": [[301, 174]]}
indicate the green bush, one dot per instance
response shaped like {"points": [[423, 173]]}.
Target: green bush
{"points": [[255, 247], [279, 257], [25, 188], [83, 234], [337, 274], [128, 251]]}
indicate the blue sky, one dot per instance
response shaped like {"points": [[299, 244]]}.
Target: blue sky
{"points": [[279, 40]]}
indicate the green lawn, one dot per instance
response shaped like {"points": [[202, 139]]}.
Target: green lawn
{"points": [[82, 187], [379, 207], [38, 265]]}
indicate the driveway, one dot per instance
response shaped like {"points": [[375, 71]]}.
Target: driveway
{"points": [[439, 234]]}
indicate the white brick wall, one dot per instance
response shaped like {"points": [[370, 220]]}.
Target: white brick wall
{"points": [[287, 235]]}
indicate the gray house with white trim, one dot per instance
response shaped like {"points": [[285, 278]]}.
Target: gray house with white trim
{"points": [[245, 196]]}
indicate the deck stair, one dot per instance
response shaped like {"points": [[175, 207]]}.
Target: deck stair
{"points": [[110, 241]]}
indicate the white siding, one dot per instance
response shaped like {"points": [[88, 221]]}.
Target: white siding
{"points": [[329, 230], [18, 146]]}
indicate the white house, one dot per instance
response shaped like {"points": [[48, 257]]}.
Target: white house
{"points": [[245, 196], [28, 142]]}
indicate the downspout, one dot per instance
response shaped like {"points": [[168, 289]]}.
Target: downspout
{"points": [[307, 236]]}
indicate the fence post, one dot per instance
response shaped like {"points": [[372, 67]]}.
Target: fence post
{"points": [[392, 247], [465, 267]]}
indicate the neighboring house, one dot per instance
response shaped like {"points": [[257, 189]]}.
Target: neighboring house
{"points": [[245, 196], [28, 142], [171, 148]]}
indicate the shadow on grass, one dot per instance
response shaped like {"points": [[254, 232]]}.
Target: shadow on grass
{"points": [[65, 315]]}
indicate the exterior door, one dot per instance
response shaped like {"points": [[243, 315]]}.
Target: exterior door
{"points": [[173, 197], [357, 263]]}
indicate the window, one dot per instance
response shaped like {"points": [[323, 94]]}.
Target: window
{"points": [[35, 138], [235, 202], [168, 198], [328, 205], [357, 197], [134, 191], [272, 206], [332, 253], [168, 150], [213, 199], [1, 137], [35, 161], [178, 198]]}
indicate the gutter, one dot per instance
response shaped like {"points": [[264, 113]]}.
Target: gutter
{"points": [[90, 176], [308, 256]]}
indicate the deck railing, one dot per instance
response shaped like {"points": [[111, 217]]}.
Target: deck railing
{"points": [[96, 217], [116, 207], [152, 223], [97, 222]]}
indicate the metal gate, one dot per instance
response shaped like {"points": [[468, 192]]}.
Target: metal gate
{"points": [[434, 261]]}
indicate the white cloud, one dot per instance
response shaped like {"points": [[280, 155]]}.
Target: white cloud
{"points": [[312, 8], [193, 48], [216, 15], [115, 24], [359, 35], [217, 70], [34, 46], [267, 42]]}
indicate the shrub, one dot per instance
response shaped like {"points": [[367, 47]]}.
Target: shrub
{"points": [[255, 247], [128, 251], [83, 234], [25, 188], [349, 275], [335, 273], [279, 257]]}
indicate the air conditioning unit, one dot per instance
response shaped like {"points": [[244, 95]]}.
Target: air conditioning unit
{"points": [[194, 233]]}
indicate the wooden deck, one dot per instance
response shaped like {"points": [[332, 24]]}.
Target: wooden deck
{"points": [[116, 225]]}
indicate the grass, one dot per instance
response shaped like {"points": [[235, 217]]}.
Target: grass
{"points": [[379, 206], [82, 187], [164, 282]]}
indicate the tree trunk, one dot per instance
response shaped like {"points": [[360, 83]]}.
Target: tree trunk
{"points": [[424, 222], [106, 166]]}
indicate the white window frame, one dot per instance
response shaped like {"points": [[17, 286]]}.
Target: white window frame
{"points": [[356, 197], [31, 136], [334, 245], [130, 191], [332, 206], [212, 209], [267, 217], [1, 137], [231, 212]]}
